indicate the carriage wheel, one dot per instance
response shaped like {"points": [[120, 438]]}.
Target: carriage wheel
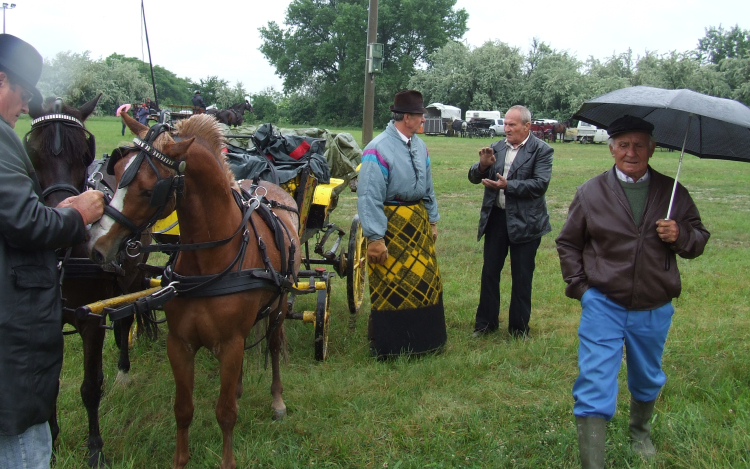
{"points": [[322, 321], [492, 133], [356, 268]]}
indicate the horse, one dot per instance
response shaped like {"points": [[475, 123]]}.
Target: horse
{"points": [[61, 150], [559, 129], [222, 238], [234, 115]]}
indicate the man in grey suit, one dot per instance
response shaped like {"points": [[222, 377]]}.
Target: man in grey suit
{"points": [[515, 173]]}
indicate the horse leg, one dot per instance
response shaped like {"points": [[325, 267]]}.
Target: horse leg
{"points": [[230, 361], [277, 340], [182, 359], [122, 333], [92, 387]]}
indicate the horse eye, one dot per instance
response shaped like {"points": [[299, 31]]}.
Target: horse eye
{"points": [[147, 194]]}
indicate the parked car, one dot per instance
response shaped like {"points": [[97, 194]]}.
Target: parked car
{"points": [[498, 128], [588, 133]]}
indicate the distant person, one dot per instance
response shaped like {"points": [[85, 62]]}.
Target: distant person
{"points": [[617, 256], [198, 103], [515, 173], [122, 109], [153, 109], [399, 215], [142, 114], [31, 341]]}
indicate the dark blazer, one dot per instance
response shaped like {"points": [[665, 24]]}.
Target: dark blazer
{"points": [[528, 179], [31, 341]]}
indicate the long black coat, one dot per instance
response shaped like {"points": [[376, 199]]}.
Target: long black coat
{"points": [[528, 179], [31, 340]]}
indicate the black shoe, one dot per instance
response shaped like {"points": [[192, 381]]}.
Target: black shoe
{"points": [[484, 331]]}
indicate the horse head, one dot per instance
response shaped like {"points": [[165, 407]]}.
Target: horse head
{"points": [[60, 147], [148, 176]]}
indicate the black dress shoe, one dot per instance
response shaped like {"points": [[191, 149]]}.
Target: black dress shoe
{"points": [[480, 332]]}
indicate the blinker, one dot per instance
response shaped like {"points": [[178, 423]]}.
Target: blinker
{"points": [[160, 193]]}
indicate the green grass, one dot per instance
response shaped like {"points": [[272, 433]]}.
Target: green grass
{"points": [[492, 402]]}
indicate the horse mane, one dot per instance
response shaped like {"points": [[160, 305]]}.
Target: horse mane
{"points": [[207, 130]]}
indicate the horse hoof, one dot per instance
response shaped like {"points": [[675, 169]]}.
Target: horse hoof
{"points": [[122, 379], [98, 461], [279, 414]]}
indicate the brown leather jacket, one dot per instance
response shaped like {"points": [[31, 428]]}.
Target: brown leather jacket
{"points": [[600, 245]]}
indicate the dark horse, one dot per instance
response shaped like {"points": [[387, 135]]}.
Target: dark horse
{"points": [[559, 129], [61, 150], [234, 116], [225, 238]]}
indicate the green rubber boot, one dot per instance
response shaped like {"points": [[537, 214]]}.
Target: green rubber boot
{"points": [[591, 438], [640, 427]]}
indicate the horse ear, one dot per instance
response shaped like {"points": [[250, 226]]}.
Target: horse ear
{"points": [[89, 107], [35, 108], [177, 149], [136, 127]]}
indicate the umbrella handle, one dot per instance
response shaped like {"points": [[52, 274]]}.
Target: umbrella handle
{"points": [[679, 166]]}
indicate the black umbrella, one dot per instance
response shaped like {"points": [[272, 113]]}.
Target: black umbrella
{"points": [[701, 125]]}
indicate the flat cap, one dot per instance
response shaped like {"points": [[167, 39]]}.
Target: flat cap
{"points": [[630, 124]]}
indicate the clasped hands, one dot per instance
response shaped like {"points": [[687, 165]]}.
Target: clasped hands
{"points": [[487, 160]]}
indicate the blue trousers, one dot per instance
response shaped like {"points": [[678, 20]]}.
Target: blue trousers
{"points": [[30, 450], [605, 327]]}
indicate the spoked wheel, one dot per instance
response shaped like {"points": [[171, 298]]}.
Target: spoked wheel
{"points": [[322, 321], [356, 268]]}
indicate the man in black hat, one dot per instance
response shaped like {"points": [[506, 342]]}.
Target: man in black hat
{"points": [[515, 173], [31, 341], [398, 212], [617, 256]]}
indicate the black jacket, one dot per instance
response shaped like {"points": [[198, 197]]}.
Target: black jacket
{"points": [[31, 341], [528, 179], [198, 101]]}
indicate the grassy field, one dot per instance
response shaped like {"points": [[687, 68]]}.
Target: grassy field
{"points": [[493, 402]]}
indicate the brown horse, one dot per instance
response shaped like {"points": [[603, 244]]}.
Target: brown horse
{"points": [[61, 150], [234, 116], [214, 234], [559, 129]]}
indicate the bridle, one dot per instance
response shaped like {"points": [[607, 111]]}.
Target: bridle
{"points": [[165, 189], [58, 119]]}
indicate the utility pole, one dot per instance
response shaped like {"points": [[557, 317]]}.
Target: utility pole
{"points": [[370, 69], [7, 7]]}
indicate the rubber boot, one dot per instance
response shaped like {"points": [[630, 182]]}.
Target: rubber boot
{"points": [[640, 427], [591, 438]]}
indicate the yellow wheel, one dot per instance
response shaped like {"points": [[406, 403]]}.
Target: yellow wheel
{"points": [[322, 321], [356, 267]]}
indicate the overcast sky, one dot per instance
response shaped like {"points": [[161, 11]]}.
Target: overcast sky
{"points": [[197, 39]]}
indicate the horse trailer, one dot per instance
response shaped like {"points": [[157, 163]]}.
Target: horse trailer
{"points": [[438, 119]]}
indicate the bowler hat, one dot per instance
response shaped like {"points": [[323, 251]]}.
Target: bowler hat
{"points": [[22, 61], [629, 124], [408, 101]]}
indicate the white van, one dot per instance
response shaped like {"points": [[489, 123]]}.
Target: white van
{"points": [[483, 114], [588, 133]]}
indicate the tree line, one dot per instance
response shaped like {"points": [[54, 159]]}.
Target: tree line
{"points": [[319, 54], [77, 78]]}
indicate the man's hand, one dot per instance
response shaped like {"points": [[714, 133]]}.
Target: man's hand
{"points": [[667, 230], [377, 253], [486, 159], [433, 228], [501, 183], [90, 205]]}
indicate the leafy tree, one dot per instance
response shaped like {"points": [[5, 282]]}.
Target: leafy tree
{"points": [[322, 49], [719, 44], [487, 77], [554, 87], [226, 96], [169, 87], [266, 105]]}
